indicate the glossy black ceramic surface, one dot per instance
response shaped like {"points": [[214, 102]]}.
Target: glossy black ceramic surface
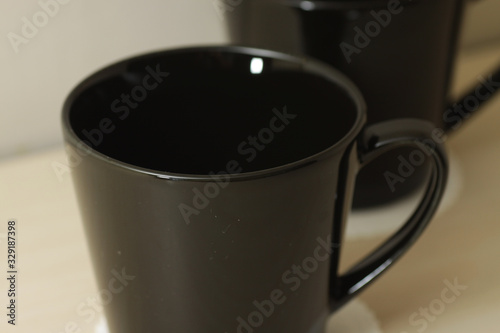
{"points": [[215, 183], [399, 53]]}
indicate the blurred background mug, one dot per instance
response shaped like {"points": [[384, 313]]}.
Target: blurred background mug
{"points": [[215, 183], [400, 53]]}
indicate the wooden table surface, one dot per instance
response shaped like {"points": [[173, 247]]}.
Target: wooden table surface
{"points": [[461, 246]]}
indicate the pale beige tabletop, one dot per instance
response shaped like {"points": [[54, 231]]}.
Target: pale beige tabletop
{"points": [[461, 246]]}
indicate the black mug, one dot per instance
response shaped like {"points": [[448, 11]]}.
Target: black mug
{"points": [[400, 53], [217, 181]]}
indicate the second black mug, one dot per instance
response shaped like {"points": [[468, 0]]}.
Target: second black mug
{"points": [[400, 54], [216, 183]]}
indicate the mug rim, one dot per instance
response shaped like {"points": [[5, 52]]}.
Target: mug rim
{"points": [[308, 65], [319, 5]]}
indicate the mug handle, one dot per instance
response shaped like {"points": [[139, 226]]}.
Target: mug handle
{"points": [[457, 111], [376, 140]]}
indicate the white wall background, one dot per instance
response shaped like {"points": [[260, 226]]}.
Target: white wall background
{"points": [[84, 35]]}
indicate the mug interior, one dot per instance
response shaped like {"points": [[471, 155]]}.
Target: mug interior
{"points": [[198, 111]]}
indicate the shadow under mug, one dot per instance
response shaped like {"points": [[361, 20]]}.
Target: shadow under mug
{"points": [[215, 182]]}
